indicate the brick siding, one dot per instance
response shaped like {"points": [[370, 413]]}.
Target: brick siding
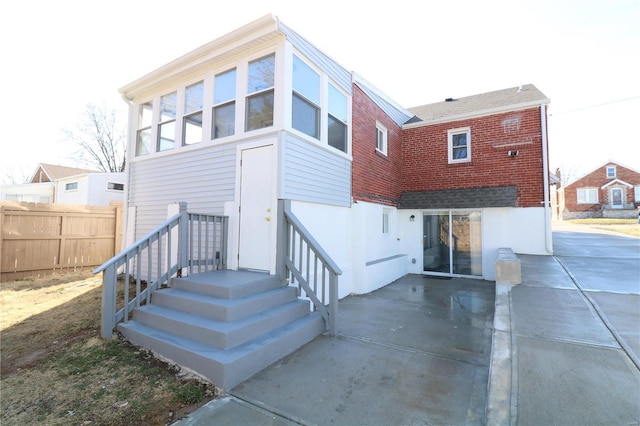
{"points": [[418, 157]]}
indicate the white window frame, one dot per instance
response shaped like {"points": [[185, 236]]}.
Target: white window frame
{"points": [[636, 193], [381, 138], [71, 186], [582, 195], [450, 134], [613, 170]]}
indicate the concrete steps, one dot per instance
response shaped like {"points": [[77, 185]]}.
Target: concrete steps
{"points": [[222, 326]]}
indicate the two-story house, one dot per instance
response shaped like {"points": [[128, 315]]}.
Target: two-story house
{"points": [[265, 134], [611, 190], [261, 114]]}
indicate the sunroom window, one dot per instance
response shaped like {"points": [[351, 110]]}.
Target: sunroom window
{"points": [[167, 125], [260, 98], [192, 120], [224, 105], [143, 137], [337, 119], [305, 109]]}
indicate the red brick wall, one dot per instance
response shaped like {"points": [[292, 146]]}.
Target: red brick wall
{"points": [[597, 179], [376, 178], [426, 166]]}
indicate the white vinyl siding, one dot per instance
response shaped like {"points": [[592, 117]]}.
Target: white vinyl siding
{"points": [[313, 174], [205, 179]]}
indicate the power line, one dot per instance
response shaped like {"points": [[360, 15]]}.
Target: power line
{"points": [[595, 106]]}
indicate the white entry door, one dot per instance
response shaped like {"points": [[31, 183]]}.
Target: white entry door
{"points": [[616, 198], [256, 204]]}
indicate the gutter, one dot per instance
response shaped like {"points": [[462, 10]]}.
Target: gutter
{"points": [[545, 171]]}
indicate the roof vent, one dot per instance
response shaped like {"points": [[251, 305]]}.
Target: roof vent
{"points": [[449, 100]]}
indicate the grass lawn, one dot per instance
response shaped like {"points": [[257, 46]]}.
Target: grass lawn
{"points": [[621, 226], [56, 370]]}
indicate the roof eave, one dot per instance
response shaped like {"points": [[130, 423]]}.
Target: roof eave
{"points": [[262, 27], [480, 113]]}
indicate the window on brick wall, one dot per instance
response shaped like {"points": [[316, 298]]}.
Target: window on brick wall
{"points": [[587, 195], [459, 145], [636, 192], [381, 138], [611, 171]]}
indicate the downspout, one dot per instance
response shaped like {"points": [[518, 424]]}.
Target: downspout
{"points": [[545, 171]]}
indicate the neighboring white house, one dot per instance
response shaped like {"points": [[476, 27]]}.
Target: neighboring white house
{"points": [[67, 185]]}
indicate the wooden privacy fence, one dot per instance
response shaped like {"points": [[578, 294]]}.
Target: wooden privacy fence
{"points": [[40, 239]]}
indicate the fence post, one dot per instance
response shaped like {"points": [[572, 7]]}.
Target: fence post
{"points": [[183, 237], [109, 286]]}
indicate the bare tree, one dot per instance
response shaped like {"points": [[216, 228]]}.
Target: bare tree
{"points": [[100, 135]]}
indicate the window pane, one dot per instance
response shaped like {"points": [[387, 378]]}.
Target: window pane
{"points": [[459, 153], [193, 98], [261, 74], [337, 137], [143, 142], [260, 111], [306, 81], [337, 103], [192, 130], [166, 136], [115, 186], [305, 117], [224, 87], [224, 121], [460, 139], [146, 115], [466, 243], [168, 106]]}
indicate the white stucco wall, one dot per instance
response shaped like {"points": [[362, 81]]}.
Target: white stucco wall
{"points": [[521, 229], [331, 227]]}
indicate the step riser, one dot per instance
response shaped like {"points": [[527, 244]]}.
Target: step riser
{"points": [[253, 306], [224, 337], [226, 291], [228, 370]]}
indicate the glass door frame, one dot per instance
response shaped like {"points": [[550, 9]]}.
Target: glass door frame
{"points": [[451, 213]]}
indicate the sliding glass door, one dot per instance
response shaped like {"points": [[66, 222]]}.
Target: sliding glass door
{"points": [[452, 243]]}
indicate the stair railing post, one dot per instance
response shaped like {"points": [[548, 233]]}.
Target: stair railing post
{"points": [[183, 238], [333, 303], [109, 284], [281, 243]]}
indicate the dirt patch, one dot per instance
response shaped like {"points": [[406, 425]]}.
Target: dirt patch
{"points": [[55, 369]]}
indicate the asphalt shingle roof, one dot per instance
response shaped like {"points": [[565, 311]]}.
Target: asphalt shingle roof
{"points": [[477, 103], [465, 198]]}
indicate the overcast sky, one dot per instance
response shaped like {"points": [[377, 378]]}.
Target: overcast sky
{"points": [[58, 56]]}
